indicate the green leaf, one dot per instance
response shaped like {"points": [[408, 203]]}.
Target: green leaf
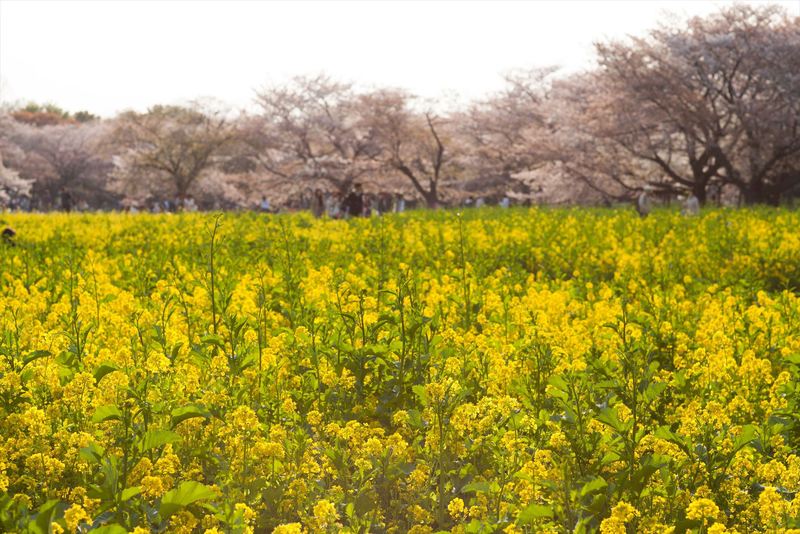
{"points": [[609, 417], [557, 381], [129, 493], [175, 350], [106, 413], [212, 339], [593, 485], [474, 527], [188, 412], [747, 436], [684, 443], [419, 391], [35, 355], [534, 512], [640, 476], [476, 487], [103, 370], [44, 517], [92, 453], [364, 504], [609, 458], [793, 358], [187, 493], [654, 389], [110, 529], [156, 438]]}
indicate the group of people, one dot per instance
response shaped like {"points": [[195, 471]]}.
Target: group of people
{"points": [[62, 200], [356, 203], [179, 204], [690, 205], [479, 202], [186, 203]]}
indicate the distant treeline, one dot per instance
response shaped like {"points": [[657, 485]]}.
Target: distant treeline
{"points": [[705, 107]]}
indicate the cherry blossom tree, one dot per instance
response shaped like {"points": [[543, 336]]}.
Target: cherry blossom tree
{"points": [[64, 157], [506, 133], [714, 103], [11, 185], [168, 149], [420, 146], [311, 131]]}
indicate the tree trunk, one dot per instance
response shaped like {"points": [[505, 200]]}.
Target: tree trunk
{"points": [[432, 197], [699, 190], [773, 198], [182, 186], [753, 193]]}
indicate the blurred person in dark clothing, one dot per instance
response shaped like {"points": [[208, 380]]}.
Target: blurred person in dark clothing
{"points": [[66, 200], [8, 235], [354, 202]]}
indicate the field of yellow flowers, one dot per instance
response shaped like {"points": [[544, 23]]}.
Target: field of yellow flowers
{"points": [[501, 370]]}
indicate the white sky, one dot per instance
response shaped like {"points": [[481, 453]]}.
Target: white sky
{"points": [[106, 56]]}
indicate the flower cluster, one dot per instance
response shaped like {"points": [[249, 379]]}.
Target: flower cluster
{"points": [[508, 370]]}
